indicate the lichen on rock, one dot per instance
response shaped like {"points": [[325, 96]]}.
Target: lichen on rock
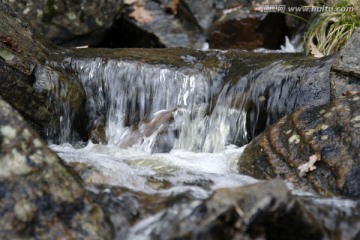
{"points": [[325, 159], [39, 198]]}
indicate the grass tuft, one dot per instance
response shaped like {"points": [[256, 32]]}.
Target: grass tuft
{"points": [[329, 31]]}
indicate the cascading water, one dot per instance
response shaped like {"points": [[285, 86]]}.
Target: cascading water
{"points": [[149, 108], [131, 96], [194, 115]]}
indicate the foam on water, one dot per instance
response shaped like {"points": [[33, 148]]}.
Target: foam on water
{"points": [[131, 168]]}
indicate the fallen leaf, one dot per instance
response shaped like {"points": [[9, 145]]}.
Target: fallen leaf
{"points": [[308, 166], [315, 51], [141, 15], [129, 2]]}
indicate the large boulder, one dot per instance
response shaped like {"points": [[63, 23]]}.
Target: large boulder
{"points": [[315, 148], [33, 83], [71, 23], [40, 199]]}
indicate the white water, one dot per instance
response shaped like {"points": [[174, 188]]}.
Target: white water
{"points": [[133, 168], [131, 94]]}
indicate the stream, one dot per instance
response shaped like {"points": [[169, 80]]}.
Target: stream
{"points": [[168, 132]]}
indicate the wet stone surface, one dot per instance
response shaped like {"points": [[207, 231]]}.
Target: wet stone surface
{"points": [[70, 23], [315, 148], [33, 83], [39, 197], [264, 210]]}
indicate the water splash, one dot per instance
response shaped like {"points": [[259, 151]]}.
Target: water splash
{"points": [[131, 96], [157, 107]]}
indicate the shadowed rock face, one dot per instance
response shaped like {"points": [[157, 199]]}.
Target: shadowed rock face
{"points": [[70, 22], [39, 198], [31, 80], [325, 137], [253, 31]]}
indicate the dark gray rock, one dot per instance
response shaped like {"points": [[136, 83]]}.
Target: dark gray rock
{"points": [[348, 59], [70, 23], [40, 199], [33, 83], [265, 210], [155, 24], [345, 72], [315, 148]]}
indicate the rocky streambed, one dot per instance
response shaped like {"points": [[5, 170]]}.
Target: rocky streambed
{"points": [[150, 143]]}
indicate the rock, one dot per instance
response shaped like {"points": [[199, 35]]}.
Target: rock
{"points": [[155, 24], [265, 210], [345, 71], [315, 148], [158, 128], [126, 207], [247, 28], [88, 173], [39, 197], [204, 12], [97, 132], [70, 23], [270, 92], [34, 84], [348, 61]]}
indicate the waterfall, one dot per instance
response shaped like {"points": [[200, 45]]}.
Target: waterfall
{"points": [[158, 107], [131, 95]]}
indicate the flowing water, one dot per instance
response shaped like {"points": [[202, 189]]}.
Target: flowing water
{"points": [[168, 131], [176, 124], [149, 110]]}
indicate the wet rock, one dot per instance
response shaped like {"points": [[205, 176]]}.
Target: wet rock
{"points": [[246, 28], [39, 197], [265, 210], [32, 81], [97, 133], [158, 131], [270, 92], [126, 207], [345, 70], [348, 60], [70, 23], [314, 148], [155, 24], [88, 173]]}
